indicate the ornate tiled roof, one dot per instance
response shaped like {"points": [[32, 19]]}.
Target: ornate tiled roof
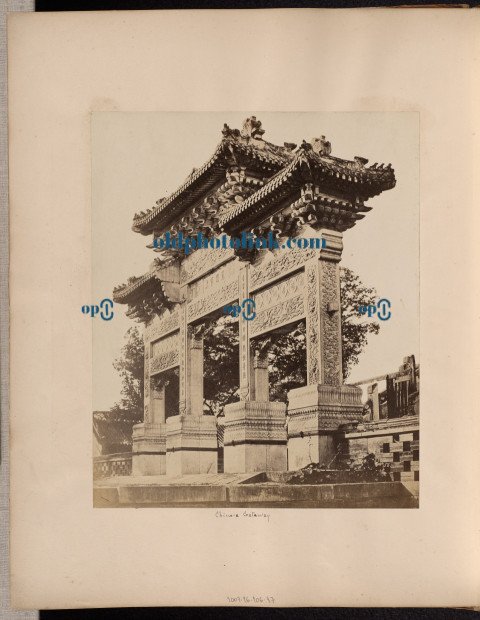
{"points": [[152, 292], [252, 179], [236, 148], [124, 292], [275, 165], [313, 165]]}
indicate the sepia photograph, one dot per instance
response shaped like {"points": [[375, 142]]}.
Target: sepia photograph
{"points": [[256, 331]]}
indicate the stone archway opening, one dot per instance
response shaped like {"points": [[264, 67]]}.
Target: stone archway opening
{"points": [[221, 363], [165, 395], [284, 354], [221, 371]]}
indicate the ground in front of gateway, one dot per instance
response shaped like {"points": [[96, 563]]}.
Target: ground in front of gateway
{"points": [[257, 490]]}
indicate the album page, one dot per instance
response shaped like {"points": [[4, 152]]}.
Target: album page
{"points": [[244, 337]]}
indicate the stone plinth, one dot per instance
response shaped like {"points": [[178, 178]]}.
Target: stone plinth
{"points": [[192, 446], [315, 416], [255, 437], [149, 449]]}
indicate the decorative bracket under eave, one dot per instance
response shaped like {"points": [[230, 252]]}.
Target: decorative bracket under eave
{"points": [[169, 278]]}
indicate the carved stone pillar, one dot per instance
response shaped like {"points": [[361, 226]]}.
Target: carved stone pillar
{"points": [[191, 368], [195, 372], [146, 380], [374, 397], [246, 389], [192, 446], [251, 369], [315, 417], [182, 354], [317, 411], [260, 367], [323, 316], [158, 404], [255, 436], [149, 449], [149, 438]]}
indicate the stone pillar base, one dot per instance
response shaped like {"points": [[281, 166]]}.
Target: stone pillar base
{"points": [[192, 446], [149, 449], [255, 437], [316, 414]]}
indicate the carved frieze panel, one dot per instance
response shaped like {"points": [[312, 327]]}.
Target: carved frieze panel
{"points": [[276, 264], [214, 280], [204, 305], [164, 345], [289, 287], [163, 325], [313, 421], [286, 311], [165, 353], [201, 261], [249, 420], [266, 432], [164, 361]]}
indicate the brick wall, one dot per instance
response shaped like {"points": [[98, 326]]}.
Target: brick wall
{"points": [[395, 442]]}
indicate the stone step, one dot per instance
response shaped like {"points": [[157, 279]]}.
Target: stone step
{"points": [[274, 495]]}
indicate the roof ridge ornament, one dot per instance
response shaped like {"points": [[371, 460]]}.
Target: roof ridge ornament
{"points": [[230, 133], [321, 146], [360, 162], [252, 128]]}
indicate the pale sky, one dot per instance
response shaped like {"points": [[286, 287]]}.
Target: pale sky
{"points": [[140, 157]]}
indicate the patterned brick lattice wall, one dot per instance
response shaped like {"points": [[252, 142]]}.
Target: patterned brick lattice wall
{"points": [[395, 446], [112, 465], [401, 451]]}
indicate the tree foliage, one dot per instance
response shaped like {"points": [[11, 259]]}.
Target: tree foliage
{"points": [[130, 366], [287, 359], [355, 330], [221, 364]]}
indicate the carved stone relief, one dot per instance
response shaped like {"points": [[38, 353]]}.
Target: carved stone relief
{"points": [[204, 305], [146, 413], [202, 261], [313, 320], [289, 287], [277, 264], [164, 361], [146, 384], [331, 353], [213, 281], [285, 312], [182, 351], [164, 345], [323, 288], [243, 338], [162, 325]]}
